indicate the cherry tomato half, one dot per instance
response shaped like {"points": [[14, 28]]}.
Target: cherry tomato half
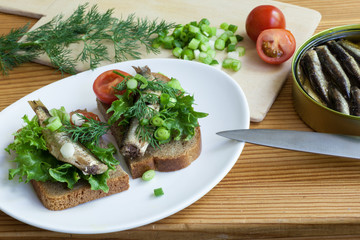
{"points": [[264, 17], [275, 46], [89, 115], [104, 85]]}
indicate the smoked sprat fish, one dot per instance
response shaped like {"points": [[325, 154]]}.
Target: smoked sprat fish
{"points": [[333, 70], [355, 101], [352, 48], [347, 62], [133, 146], [311, 66], [82, 158]]}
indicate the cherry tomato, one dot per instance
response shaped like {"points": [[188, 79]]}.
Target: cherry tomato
{"points": [[89, 115], [275, 46], [104, 85], [264, 17]]}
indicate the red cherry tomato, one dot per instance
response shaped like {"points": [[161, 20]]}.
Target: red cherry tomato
{"points": [[264, 17], [275, 46], [104, 85], [89, 115]]}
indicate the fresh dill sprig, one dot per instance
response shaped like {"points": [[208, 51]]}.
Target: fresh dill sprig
{"points": [[96, 35], [13, 54], [89, 132]]}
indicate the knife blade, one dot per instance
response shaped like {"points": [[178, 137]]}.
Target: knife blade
{"points": [[313, 142]]}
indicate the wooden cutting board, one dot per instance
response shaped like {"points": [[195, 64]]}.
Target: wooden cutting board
{"points": [[260, 82]]}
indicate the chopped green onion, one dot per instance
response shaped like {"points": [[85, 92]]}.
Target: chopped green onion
{"points": [[241, 51], [205, 58], [239, 38], [142, 79], [214, 62], [211, 53], [174, 83], [158, 192], [204, 47], [231, 47], [194, 29], [232, 28], [144, 121], [177, 43], [213, 31], [148, 175], [187, 54], [201, 37], [224, 36], [54, 123], [219, 44], [206, 29], [168, 42], [162, 134], [233, 40], [204, 21], [157, 121], [194, 43], [224, 26], [231, 63], [177, 52], [131, 84], [199, 40]]}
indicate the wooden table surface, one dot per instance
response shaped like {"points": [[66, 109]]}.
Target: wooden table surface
{"points": [[269, 193]]}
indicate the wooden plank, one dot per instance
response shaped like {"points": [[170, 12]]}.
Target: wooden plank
{"points": [[269, 194]]}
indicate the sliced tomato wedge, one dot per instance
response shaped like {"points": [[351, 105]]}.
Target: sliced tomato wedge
{"points": [[275, 46], [104, 85]]}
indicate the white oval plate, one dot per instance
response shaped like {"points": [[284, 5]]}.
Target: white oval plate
{"points": [[215, 93]]}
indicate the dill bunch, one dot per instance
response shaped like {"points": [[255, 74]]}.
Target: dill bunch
{"points": [[98, 33], [90, 132]]}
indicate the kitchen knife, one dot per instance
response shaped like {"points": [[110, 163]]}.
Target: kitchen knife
{"points": [[313, 142]]}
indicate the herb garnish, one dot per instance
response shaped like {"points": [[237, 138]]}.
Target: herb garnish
{"points": [[176, 116], [91, 29], [90, 132]]}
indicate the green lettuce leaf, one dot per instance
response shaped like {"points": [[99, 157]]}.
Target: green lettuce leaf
{"points": [[118, 108], [66, 173], [105, 155], [99, 182], [34, 162], [33, 165]]}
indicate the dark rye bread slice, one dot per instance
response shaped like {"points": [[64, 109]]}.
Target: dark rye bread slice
{"points": [[172, 156], [56, 196]]}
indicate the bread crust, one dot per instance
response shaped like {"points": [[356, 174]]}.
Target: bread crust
{"points": [[56, 196], [157, 159]]}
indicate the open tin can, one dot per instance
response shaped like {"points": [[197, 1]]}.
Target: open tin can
{"points": [[316, 115]]}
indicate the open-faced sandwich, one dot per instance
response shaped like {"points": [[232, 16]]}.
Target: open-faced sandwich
{"points": [[65, 158], [152, 119]]}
